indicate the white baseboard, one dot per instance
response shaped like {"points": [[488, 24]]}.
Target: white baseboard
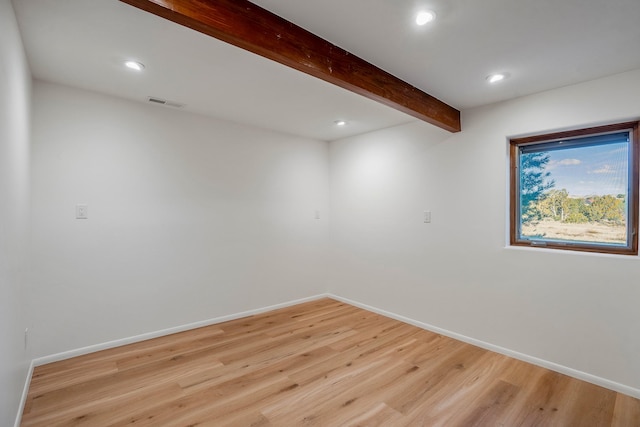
{"points": [[130, 340], [23, 398], [593, 379]]}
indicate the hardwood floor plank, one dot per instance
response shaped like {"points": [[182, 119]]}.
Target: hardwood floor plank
{"points": [[92, 390], [590, 404], [311, 404], [100, 412], [321, 363], [428, 352], [476, 385], [626, 411], [378, 415], [72, 375], [488, 410], [442, 380]]}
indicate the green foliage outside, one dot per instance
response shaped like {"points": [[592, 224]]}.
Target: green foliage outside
{"points": [[539, 201], [534, 182], [558, 206]]}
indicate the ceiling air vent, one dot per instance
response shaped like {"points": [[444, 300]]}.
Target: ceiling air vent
{"points": [[167, 103]]}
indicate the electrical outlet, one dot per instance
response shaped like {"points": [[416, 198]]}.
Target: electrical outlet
{"points": [[82, 212], [427, 217]]}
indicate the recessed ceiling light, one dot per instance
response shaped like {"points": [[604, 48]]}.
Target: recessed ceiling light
{"points": [[340, 122], [425, 16], [497, 77], [134, 65]]}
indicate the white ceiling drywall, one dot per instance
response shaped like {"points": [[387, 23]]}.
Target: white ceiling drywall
{"points": [[542, 44]]}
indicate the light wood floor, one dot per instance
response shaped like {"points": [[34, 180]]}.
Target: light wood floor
{"points": [[322, 363]]}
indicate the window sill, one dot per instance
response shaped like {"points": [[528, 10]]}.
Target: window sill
{"points": [[544, 250]]}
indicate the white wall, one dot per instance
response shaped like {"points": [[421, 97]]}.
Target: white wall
{"points": [[15, 82], [574, 309], [190, 218]]}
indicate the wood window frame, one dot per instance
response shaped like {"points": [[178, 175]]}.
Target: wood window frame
{"points": [[633, 199]]}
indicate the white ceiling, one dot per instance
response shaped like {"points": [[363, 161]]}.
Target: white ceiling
{"points": [[542, 44]]}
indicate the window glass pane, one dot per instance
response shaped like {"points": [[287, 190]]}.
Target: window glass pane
{"points": [[575, 193]]}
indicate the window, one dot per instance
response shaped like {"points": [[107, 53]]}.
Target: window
{"points": [[576, 190]]}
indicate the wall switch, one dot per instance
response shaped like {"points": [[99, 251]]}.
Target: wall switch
{"points": [[82, 212], [317, 214], [427, 216], [26, 335]]}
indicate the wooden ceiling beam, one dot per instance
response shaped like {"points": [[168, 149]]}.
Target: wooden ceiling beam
{"points": [[250, 27]]}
